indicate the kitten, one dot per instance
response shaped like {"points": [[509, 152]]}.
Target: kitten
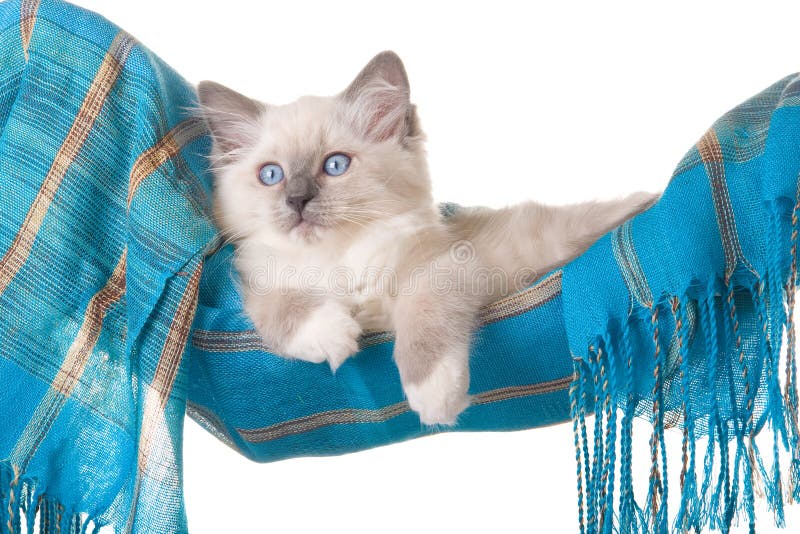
{"points": [[328, 201]]}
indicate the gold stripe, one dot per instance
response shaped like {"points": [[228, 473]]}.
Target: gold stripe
{"points": [[524, 301], [167, 369], [166, 149], [28, 10], [93, 102], [82, 346], [710, 151], [379, 415], [517, 304], [709, 147], [157, 394], [72, 367], [515, 392]]}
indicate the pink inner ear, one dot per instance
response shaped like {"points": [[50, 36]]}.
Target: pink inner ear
{"points": [[380, 111], [387, 118]]}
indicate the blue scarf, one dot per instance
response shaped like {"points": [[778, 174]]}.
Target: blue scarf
{"points": [[677, 317], [119, 312]]}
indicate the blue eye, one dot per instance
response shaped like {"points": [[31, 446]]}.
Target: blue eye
{"points": [[270, 174], [336, 164]]}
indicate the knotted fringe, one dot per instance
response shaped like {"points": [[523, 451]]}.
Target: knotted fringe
{"points": [[21, 503], [728, 392], [689, 512], [790, 381]]}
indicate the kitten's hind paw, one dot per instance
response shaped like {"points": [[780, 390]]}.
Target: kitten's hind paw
{"points": [[442, 395]]}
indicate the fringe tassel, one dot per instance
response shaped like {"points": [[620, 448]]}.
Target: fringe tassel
{"points": [[597, 450], [774, 412], [718, 433], [20, 496], [575, 395], [630, 513], [790, 388], [610, 387], [585, 440], [658, 491], [743, 422], [734, 471], [689, 511]]}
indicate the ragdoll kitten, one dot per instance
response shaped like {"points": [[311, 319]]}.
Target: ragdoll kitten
{"points": [[328, 201]]}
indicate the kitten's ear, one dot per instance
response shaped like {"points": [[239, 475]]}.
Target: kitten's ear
{"points": [[231, 116], [379, 98]]}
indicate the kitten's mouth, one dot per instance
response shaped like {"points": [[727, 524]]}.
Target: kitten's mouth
{"points": [[305, 228]]}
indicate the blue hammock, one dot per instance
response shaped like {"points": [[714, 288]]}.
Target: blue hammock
{"points": [[119, 313]]}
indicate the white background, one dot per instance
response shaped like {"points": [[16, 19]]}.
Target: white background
{"points": [[558, 102]]}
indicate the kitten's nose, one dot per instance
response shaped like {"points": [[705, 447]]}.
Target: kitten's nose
{"points": [[298, 202]]}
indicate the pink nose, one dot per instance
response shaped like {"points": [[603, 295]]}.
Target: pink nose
{"points": [[298, 202]]}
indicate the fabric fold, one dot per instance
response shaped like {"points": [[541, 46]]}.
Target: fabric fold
{"points": [[119, 313], [701, 290]]}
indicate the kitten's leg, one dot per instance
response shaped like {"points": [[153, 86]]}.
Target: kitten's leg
{"points": [[305, 327], [546, 237], [529, 239], [611, 213], [570, 230], [434, 319]]}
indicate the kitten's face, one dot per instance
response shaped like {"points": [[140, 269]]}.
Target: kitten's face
{"points": [[320, 169]]}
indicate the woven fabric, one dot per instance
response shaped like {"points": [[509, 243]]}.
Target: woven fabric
{"points": [[119, 313], [677, 316], [116, 310], [103, 227]]}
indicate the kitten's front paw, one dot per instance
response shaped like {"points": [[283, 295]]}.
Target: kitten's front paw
{"points": [[330, 333], [442, 395]]}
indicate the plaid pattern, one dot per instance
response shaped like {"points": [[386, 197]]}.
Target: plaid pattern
{"points": [[678, 316], [119, 314], [102, 235]]}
